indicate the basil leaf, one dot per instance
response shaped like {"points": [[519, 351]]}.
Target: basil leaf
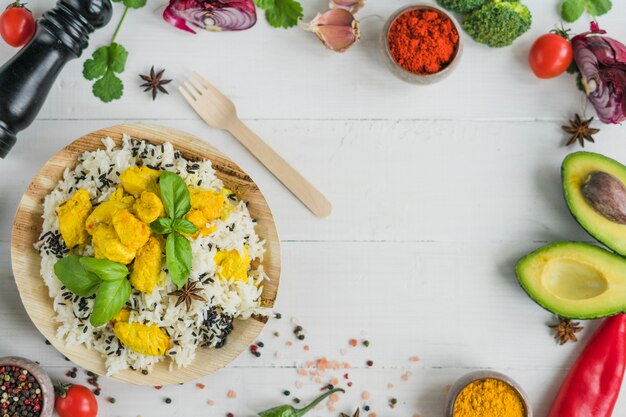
{"points": [[76, 278], [571, 10], [598, 7], [178, 258], [161, 226], [110, 299], [184, 226], [105, 269], [174, 194]]}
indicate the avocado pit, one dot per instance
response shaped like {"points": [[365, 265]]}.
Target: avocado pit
{"points": [[607, 195]]}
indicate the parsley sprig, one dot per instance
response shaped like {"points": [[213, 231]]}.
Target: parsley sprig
{"points": [[108, 61], [281, 13], [571, 10]]}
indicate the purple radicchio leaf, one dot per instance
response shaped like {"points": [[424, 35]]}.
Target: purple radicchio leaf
{"points": [[602, 63], [213, 15]]}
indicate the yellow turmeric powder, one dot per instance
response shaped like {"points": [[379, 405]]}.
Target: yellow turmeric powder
{"points": [[489, 398]]}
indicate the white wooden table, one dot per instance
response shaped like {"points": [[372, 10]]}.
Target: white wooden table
{"points": [[437, 191]]}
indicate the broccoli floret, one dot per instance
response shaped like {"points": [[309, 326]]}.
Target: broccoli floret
{"points": [[461, 6], [498, 23]]}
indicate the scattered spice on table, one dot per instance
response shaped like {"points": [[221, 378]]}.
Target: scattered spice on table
{"points": [[566, 330], [232, 394], [154, 82], [353, 342], [168, 400], [20, 392], [200, 385], [489, 398], [580, 130], [423, 41], [414, 358]]}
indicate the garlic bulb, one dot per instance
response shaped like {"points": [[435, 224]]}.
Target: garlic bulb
{"points": [[352, 6], [337, 29]]}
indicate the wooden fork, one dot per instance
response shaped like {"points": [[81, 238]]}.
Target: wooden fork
{"points": [[219, 112]]}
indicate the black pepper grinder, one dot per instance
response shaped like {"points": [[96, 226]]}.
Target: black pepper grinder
{"points": [[25, 80]]}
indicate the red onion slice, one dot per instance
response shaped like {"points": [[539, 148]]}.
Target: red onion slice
{"points": [[213, 15]]}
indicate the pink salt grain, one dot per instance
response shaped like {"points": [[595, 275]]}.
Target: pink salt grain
{"points": [[211, 402], [302, 372], [366, 395], [371, 415], [406, 376], [414, 358], [232, 394], [307, 347], [299, 384], [390, 386], [334, 381]]}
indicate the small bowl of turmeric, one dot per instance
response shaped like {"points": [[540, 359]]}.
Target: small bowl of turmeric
{"points": [[422, 43], [487, 394]]}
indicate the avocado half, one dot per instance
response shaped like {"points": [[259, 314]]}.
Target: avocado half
{"points": [[576, 169], [575, 280]]}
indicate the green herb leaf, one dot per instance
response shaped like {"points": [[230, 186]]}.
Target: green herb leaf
{"points": [[184, 226], [281, 13], [75, 277], [161, 226], [598, 7], [135, 4], [174, 194], [104, 63], [105, 269], [178, 258], [110, 299], [571, 10]]}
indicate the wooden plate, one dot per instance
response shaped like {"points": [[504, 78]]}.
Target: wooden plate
{"points": [[26, 261]]}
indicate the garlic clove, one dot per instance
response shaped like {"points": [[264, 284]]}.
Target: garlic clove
{"points": [[337, 29], [352, 6]]}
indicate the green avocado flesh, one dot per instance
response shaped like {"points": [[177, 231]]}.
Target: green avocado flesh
{"points": [[576, 169], [575, 280]]}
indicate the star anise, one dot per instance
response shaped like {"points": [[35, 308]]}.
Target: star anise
{"points": [[155, 82], [580, 130], [188, 293], [356, 413], [566, 330]]}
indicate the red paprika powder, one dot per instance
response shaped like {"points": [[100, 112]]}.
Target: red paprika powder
{"points": [[423, 41]]}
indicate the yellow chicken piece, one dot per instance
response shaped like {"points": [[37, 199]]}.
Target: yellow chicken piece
{"points": [[123, 315], [136, 180], [196, 217], [132, 232], [149, 207], [228, 206], [144, 339], [231, 264], [107, 245], [147, 267], [72, 216], [104, 212], [208, 202]]}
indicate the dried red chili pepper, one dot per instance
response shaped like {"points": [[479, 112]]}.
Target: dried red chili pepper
{"points": [[593, 384]]}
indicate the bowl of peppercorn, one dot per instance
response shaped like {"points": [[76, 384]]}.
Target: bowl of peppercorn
{"points": [[25, 389], [422, 43]]}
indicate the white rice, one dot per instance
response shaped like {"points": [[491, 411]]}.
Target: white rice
{"points": [[207, 323]]}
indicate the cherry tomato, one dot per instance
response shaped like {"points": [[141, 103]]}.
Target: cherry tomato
{"points": [[550, 55], [75, 401], [17, 25]]}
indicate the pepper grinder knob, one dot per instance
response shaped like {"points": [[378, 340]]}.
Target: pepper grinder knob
{"points": [[25, 79]]}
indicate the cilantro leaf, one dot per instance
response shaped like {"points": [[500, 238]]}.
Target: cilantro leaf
{"points": [[102, 66], [598, 7], [571, 10], [134, 4], [108, 88], [281, 13], [96, 66]]}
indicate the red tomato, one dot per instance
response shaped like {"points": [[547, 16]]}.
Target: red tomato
{"points": [[550, 55], [76, 401], [17, 25]]}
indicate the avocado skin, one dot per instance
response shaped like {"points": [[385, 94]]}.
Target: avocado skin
{"points": [[569, 200], [537, 298]]}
